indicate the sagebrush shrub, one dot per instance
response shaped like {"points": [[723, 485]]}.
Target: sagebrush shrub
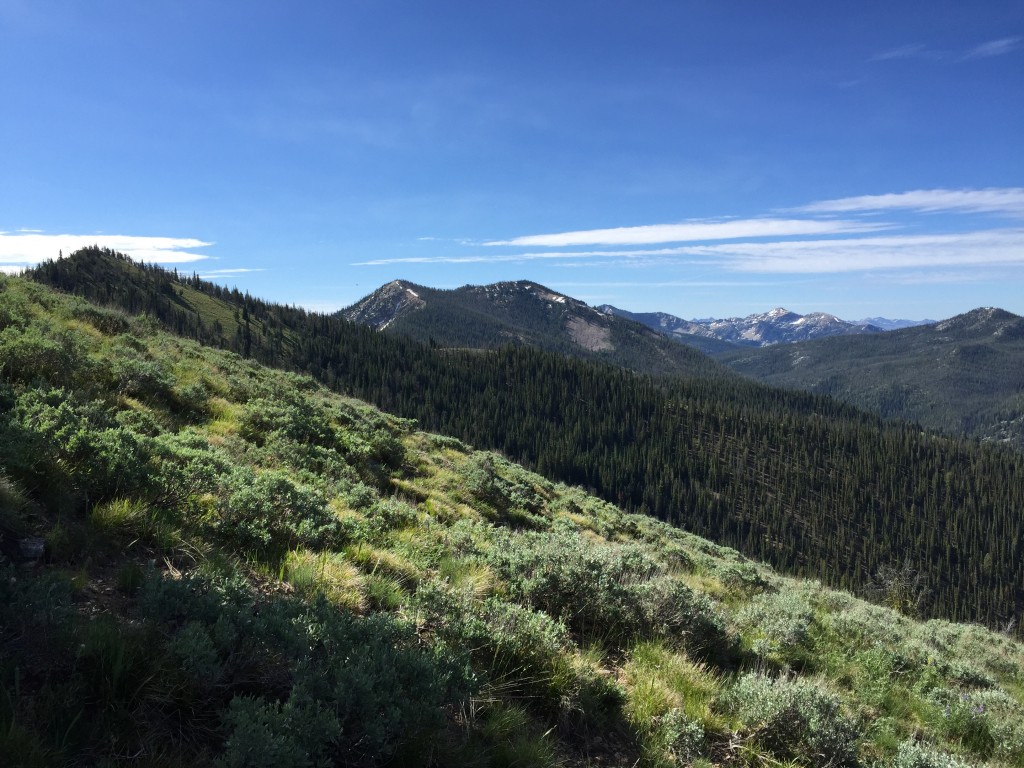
{"points": [[611, 594], [373, 684], [268, 734], [914, 755], [514, 648], [268, 512], [794, 719], [777, 623]]}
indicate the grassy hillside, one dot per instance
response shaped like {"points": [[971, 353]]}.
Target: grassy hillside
{"points": [[964, 375], [242, 568], [815, 487]]}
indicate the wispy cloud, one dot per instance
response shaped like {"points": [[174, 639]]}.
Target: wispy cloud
{"points": [[633, 254], [212, 274], [692, 231], [24, 249], [922, 52], [909, 51], [1003, 200], [785, 246], [493, 258], [850, 254], [999, 47], [990, 247], [676, 284]]}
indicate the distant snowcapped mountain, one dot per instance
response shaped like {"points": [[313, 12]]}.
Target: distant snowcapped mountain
{"points": [[778, 326], [892, 325]]}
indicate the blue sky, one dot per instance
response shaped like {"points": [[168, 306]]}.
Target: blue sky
{"points": [[707, 158]]}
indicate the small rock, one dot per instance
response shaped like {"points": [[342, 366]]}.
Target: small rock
{"points": [[31, 548]]}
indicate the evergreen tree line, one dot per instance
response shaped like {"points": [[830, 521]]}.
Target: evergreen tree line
{"points": [[809, 485]]}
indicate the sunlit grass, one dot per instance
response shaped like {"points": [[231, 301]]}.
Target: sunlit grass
{"points": [[340, 581], [373, 560]]}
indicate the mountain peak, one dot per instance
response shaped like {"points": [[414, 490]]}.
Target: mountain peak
{"points": [[383, 306], [982, 316], [524, 313]]}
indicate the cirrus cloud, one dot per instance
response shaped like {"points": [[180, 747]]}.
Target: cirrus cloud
{"points": [[690, 231], [1007, 201], [999, 47], [987, 247]]}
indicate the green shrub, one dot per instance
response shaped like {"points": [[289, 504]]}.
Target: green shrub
{"points": [[133, 372], [517, 650], [965, 720], [373, 677], [54, 441], [373, 684], [612, 594], [267, 513], [36, 354], [388, 514], [679, 737], [914, 755], [980, 653], [286, 415], [186, 465], [794, 719], [268, 734], [196, 654], [776, 624]]}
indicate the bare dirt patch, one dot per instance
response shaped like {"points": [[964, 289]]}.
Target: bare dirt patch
{"points": [[591, 336]]}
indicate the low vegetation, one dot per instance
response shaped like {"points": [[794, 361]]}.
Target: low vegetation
{"points": [[242, 568]]}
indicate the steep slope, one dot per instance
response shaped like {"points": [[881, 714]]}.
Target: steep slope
{"points": [[813, 486], [779, 326], [212, 563], [525, 314], [963, 375]]}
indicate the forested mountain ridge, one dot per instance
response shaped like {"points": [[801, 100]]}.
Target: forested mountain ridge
{"points": [[527, 314], [808, 484], [964, 375], [207, 562]]}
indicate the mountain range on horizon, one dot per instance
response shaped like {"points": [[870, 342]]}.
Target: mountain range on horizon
{"points": [[524, 313], [776, 326], [398, 298], [963, 375]]}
